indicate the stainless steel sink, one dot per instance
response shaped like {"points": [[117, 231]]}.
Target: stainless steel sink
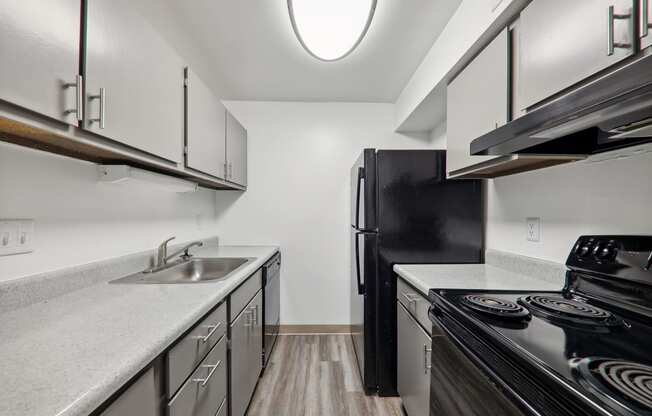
{"points": [[195, 270]]}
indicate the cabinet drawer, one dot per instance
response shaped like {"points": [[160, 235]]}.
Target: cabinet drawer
{"points": [[415, 303], [205, 390], [192, 348], [243, 294]]}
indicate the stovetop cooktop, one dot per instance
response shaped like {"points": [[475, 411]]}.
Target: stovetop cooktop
{"points": [[592, 340]]}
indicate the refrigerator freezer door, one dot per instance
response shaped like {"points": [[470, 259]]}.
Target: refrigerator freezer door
{"points": [[363, 191]]}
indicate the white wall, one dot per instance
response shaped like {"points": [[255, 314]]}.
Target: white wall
{"points": [[420, 104], [300, 155], [79, 220], [608, 197]]}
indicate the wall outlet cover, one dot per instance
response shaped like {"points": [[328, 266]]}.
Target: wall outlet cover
{"points": [[16, 236], [533, 230]]}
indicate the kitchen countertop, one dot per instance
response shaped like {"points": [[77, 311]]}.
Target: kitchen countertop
{"points": [[67, 355], [470, 276]]}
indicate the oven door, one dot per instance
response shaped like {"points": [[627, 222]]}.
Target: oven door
{"points": [[458, 386]]}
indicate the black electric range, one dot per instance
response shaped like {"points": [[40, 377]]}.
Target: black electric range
{"points": [[586, 350]]}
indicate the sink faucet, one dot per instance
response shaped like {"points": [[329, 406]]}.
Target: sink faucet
{"points": [[162, 256]]}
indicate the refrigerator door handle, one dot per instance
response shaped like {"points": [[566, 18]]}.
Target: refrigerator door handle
{"points": [[361, 288], [357, 197]]}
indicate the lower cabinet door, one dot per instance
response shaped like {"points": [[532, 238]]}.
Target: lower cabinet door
{"points": [[413, 364], [246, 352], [141, 398]]}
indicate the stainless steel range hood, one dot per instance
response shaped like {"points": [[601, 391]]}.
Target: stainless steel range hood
{"points": [[610, 112]]}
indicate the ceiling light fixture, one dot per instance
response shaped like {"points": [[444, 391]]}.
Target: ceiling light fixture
{"points": [[330, 29]]}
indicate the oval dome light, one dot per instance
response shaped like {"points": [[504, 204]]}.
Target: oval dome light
{"points": [[330, 29]]}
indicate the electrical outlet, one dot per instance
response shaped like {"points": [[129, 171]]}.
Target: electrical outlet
{"points": [[16, 236], [533, 230]]}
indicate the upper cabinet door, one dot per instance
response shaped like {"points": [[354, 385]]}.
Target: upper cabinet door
{"points": [[206, 128], [477, 102], [563, 42], [134, 81], [236, 151], [39, 46]]}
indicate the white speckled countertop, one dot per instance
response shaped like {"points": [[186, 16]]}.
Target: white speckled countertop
{"points": [[424, 277], [67, 355]]}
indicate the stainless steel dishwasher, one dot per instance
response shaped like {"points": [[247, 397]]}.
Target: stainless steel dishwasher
{"points": [[271, 304]]}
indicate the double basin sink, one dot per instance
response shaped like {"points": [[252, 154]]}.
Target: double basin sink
{"points": [[194, 270]]}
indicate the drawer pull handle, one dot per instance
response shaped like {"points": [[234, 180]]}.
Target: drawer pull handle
{"points": [[212, 328], [252, 314], [411, 298], [212, 367], [426, 351]]}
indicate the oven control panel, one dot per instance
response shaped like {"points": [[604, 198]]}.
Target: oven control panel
{"points": [[627, 257]]}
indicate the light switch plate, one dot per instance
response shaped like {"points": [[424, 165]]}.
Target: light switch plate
{"points": [[16, 236], [533, 230]]}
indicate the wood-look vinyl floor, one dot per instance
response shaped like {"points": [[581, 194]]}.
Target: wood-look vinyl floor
{"points": [[316, 375]]}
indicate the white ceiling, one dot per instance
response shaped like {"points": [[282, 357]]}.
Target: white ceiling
{"points": [[256, 56]]}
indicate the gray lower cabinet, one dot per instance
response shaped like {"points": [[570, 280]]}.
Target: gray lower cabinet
{"points": [[246, 353], [477, 103], [236, 151], [205, 128], [563, 42], [134, 81], [205, 390], [141, 398], [39, 43], [414, 346]]}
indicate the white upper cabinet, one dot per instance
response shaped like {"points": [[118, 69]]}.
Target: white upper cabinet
{"points": [[134, 81], [39, 50], [478, 101], [563, 42], [206, 128], [646, 23], [236, 151]]}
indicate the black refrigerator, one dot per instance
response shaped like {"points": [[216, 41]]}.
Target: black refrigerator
{"points": [[403, 211]]}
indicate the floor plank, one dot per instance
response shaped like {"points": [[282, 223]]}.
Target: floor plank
{"points": [[316, 375]]}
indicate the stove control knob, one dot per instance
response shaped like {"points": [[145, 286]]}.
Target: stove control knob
{"points": [[584, 250], [604, 251]]}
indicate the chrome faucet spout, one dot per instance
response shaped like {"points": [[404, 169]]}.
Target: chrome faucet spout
{"points": [[162, 256], [184, 250]]}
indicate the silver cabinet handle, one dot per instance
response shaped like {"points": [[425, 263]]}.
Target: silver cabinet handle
{"points": [[226, 170], [611, 18], [208, 336], [230, 170], [102, 98], [213, 368], [426, 351], [645, 19], [248, 314], [79, 97], [410, 297]]}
